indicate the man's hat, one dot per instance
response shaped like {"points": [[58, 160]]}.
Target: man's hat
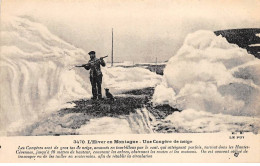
{"points": [[92, 52]]}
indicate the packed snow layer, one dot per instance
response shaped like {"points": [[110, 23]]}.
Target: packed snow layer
{"points": [[36, 78], [34, 72], [254, 45], [209, 74], [135, 123], [193, 121], [140, 121]]}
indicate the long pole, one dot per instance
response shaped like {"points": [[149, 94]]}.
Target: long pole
{"points": [[156, 65], [112, 60]]}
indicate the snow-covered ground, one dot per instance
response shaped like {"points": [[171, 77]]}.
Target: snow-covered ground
{"points": [[191, 120], [135, 123]]}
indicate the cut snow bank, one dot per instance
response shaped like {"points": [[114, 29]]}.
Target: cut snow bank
{"points": [[35, 76], [34, 72], [209, 74]]}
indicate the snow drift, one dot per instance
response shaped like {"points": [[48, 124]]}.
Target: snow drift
{"points": [[35, 76], [34, 71], [211, 75], [120, 79], [194, 121]]}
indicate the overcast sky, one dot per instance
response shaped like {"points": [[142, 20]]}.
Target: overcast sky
{"points": [[143, 29]]}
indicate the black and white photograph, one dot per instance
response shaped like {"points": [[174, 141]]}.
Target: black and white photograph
{"points": [[129, 67]]}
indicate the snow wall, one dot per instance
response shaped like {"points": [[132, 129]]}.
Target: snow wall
{"points": [[210, 80], [36, 78]]}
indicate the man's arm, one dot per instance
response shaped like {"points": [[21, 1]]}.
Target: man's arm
{"points": [[86, 66], [102, 62]]}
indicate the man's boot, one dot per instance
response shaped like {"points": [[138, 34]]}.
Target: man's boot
{"points": [[100, 97], [94, 98]]}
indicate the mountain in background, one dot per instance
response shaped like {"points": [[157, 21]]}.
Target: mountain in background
{"points": [[244, 38]]}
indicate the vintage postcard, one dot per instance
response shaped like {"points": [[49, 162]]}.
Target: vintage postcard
{"points": [[130, 81]]}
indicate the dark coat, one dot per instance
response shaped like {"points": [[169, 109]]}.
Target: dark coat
{"points": [[94, 67]]}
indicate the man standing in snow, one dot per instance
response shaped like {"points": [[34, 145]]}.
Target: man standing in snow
{"points": [[95, 74]]}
